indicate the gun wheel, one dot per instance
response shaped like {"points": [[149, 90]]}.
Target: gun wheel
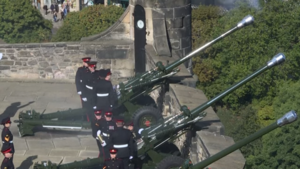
{"points": [[145, 116], [170, 162]]}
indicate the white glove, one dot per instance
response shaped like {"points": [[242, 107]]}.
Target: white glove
{"points": [[140, 130], [84, 99], [95, 107], [110, 105], [97, 138], [79, 92], [98, 133], [103, 144], [130, 157]]}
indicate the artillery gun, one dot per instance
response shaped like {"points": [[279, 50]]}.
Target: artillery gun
{"points": [[166, 131], [129, 94]]}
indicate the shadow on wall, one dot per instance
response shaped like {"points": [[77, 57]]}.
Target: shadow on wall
{"points": [[11, 110]]}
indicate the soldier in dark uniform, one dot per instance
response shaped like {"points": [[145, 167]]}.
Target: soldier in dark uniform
{"points": [[113, 162], [104, 92], [122, 140], [95, 124], [80, 78], [7, 163], [89, 95], [105, 129], [7, 137], [136, 138]]}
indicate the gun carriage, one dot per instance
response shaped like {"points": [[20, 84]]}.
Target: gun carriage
{"points": [[167, 130]]}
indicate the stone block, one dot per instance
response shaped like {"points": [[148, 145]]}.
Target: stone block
{"points": [[24, 54], [161, 46], [63, 153], [90, 154], [32, 62], [73, 47], [60, 44], [179, 33], [157, 14], [160, 28], [123, 73], [187, 50], [10, 50], [18, 46], [7, 62], [120, 28], [187, 21], [40, 152], [123, 64], [175, 44], [59, 50], [33, 45], [174, 23], [168, 12], [111, 54], [182, 11], [47, 44], [43, 64], [66, 143], [186, 42], [40, 144], [177, 53], [4, 67]]}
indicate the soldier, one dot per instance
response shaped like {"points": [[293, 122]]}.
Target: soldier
{"points": [[113, 162], [79, 79], [122, 140], [95, 124], [105, 129], [89, 95], [7, 163], [7, 137], [136, 138], [104, 92]]}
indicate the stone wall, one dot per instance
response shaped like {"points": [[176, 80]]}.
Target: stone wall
{"points": [[60, 60]]}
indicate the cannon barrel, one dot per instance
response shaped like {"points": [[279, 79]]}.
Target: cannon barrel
{"points": [[86, 164], [245, 21], [276, 60], [286, 119], [173, 124]]}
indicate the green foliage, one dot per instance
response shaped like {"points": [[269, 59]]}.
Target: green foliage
{"points": [[90, 21], [241, 126], [276, 29], [20, 22], [281, 148]]}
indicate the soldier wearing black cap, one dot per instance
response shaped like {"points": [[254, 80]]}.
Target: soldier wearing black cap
{"points": [[122, 140], [89, 95], [95, 124], [7, 163], [113, 162], [105, 129], [80, 79], [7, 137], [136, 139], [105, 94]]}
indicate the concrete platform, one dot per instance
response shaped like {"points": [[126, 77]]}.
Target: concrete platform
{"points": [[54, 145]]}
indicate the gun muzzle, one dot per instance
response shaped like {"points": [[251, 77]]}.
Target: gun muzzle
{"points": [[288, 118], [276, 60], [246, 21]]}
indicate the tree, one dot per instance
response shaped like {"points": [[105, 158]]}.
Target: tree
{"points": [[281, 148], [20, 22], [276, 29], [90, 21]]}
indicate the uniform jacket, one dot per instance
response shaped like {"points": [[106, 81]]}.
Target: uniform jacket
{"points": [[80, 77], [107, 127], [113, 164], [7, 138], [105, 94], [122, 137], [95, 125], [7, 164], [90, 79]]}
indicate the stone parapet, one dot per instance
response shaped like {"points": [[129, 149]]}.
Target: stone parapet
{"points": [[60, 61]]}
